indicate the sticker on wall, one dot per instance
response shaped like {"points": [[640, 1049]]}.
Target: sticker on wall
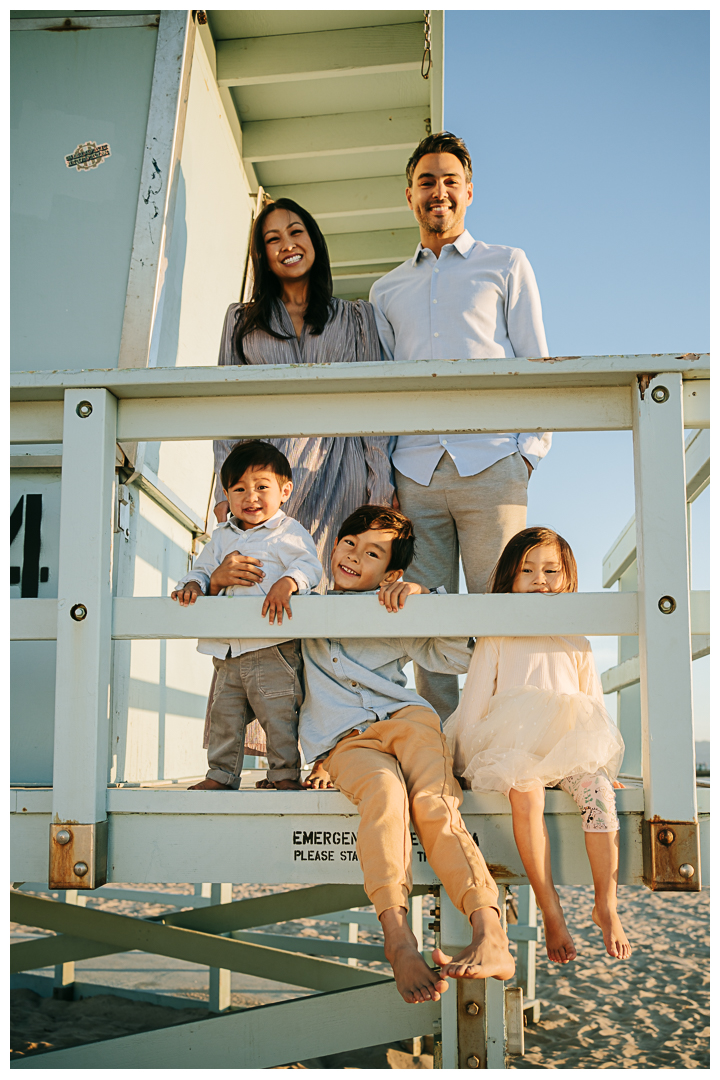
{"points": [[87, 155]]}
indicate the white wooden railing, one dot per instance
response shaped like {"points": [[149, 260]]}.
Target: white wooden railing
{"points": [[89, 411]]}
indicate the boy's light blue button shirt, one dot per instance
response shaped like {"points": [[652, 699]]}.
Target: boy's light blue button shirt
{"points": [[354, 682]]}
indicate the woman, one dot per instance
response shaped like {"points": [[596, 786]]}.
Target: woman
{"points": [[293, 318]]}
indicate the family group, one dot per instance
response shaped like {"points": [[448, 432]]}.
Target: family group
{"points": [[393, 517]]}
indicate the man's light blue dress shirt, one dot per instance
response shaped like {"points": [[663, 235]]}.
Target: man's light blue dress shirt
{"points": [[475, 301]]}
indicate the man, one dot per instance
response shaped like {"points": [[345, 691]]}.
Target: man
{"points": [[458, 298]]}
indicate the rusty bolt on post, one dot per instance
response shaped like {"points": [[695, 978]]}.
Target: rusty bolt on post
{"points": [[473, 1062], [472, 1008]]}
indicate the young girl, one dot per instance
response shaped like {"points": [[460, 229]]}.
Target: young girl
{"points": [[531, 716]]}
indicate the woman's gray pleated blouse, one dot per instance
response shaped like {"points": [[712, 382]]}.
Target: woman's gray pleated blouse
{"points": [[331, 476]]}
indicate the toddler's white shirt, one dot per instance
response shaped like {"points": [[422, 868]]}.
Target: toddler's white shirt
{"points": [[284, 548]]}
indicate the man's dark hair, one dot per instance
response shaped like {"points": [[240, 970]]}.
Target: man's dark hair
{"points": [[443, 142], [382, 517], [253, 454], [267, 288]]}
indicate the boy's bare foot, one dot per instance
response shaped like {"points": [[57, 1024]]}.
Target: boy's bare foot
{"points": [[209, 785], [319, 777], [486, 957], [558, 942], [616, 942], [415, 981]]}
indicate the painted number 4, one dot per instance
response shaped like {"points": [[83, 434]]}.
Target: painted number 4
{"points": [[31, 573]]}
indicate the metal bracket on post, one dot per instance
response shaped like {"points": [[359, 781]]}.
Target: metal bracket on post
{"points": [[78, 856], [671, 856]]}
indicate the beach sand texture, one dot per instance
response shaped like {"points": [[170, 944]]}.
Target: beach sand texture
{"points": [[651, 1012]]}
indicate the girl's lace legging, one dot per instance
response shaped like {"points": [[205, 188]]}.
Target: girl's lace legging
{"points": [[595, 796]]}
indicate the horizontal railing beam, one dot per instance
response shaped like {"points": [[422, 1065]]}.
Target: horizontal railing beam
{"points": [[149, 617], [145, 618], [374, 413], [494, 373], [377, 413]]}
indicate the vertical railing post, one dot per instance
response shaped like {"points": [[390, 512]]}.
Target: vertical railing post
{"points": [[349, 932], [220, 984], [64, 977], [472, 1010], [78, 833], [527, 951], [671, 839]]}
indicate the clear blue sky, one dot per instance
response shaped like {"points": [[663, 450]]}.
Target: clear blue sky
{"points": [[589, 137]]}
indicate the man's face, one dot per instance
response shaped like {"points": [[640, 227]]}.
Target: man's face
{"points": [[360, 563], [439, 194]]}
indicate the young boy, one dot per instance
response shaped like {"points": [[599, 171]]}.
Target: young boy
{"points": [[384, 750], [258, 551]]}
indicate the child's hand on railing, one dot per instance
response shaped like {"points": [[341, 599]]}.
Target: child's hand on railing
{"points": [[278, 599], [235, 569], [188, 594], [394, 596]]}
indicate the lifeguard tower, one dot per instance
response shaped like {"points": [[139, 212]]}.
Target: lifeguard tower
{"points": [[143, 144]]}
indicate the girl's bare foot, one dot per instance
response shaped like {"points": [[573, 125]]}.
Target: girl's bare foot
{"points": [[616, 942], [486, 957], [415, 981], [209, 785], [558, 942]]}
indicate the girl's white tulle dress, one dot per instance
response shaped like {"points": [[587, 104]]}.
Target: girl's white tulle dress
{"points": [[532, 713]]}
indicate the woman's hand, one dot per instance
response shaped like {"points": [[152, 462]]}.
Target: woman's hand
{"points": [[394, 596], [221, 510], [235, 569], [278, 599], [188, 594], [395, 501], [617, 784], [319, 777]]}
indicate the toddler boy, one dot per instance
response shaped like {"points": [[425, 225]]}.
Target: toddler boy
{"points": [[258, 551], [383, 748]]}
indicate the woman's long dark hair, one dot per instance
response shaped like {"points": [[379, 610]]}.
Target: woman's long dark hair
{"points": [[267, 288]]}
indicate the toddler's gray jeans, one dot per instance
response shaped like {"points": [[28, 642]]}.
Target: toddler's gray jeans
{"points": [[267, 684]]}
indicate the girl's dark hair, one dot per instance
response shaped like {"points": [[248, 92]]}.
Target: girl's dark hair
{"points": [[382, 517], [253, 454], [267, 288], [510, 562]]}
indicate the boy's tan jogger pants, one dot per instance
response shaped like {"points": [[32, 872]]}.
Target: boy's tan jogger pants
{"points": [[399, 771]]}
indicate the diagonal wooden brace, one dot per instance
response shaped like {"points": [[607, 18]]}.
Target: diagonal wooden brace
{"points": [[190, 945]]}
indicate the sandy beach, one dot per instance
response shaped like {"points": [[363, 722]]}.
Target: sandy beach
{"points": [[651, 1012]]}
